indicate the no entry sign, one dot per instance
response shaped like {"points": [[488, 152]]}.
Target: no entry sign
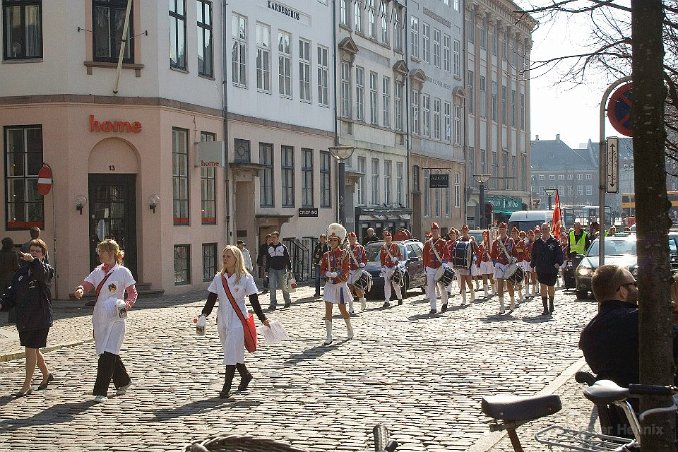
{"points": [[619, 109], [44, 179]]}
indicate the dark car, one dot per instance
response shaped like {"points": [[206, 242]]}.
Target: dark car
{"points": [[619, 250], [411, 261]]}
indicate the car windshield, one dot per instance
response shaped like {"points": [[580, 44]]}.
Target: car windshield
{"points": [[372, 250], [614, 247]]}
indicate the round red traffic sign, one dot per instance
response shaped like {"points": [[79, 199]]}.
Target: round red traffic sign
{"points": [[44, 179], [619, 109]]}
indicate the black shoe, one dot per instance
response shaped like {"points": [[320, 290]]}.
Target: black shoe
{"points": [[546, 312], [316, 295], [443, 308], [432, 312], [400, 302], [245, 382], [288, 304], [386, 304], [551, 307], [22, 394], [224, 394], [271, 308], [42, 386]]}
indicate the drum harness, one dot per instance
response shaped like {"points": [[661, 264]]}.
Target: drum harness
{"points": [[435, 251], [503, 248], [396, 267]]}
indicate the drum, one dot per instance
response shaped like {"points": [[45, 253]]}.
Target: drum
{"points": [[398, 276], [444, 275], [364, 282], [514, 274], [462, 255]]}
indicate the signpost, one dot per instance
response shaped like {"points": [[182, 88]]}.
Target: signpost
{"points": [[612, 165], [619, 109], [44, 180]]}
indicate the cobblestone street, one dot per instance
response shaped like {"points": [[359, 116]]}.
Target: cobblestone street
{"points": [[423, 377]]}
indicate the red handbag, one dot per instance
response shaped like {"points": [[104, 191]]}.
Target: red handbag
{"points": [[248, 326]]}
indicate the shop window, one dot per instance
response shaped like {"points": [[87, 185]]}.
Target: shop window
{"points": [[208, 188], [205, 48], [23, 159], [182, 264], [180, 176], [23, 29], [107, 24], [287, 175], [325, 179], [266, 175], [209, 261], [177, 25]]}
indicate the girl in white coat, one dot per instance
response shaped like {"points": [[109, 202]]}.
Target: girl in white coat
{"points": [[230, 328], [112, 281]]}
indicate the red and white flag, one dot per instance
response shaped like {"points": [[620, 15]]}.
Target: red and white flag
{"points": [[555, 220]]}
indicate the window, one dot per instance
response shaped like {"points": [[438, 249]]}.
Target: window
{"points": [[483, 33], [205, 50], [208, 188], [371, 24], [522, 111], [415, 178], [456, 65], [358, 16], [552, 177], [503, 104], [182, 264], [284, 64], [436, 47], [23, 159], [400, 183], [483, 161], [561, 177], [398, 106], [266, 175], [305, 70], [457, 190], [180, 176], [383, 8], [360, 93], [415, 112], [455, 5], [263, 57], [580, 190], [513, 108], [541, 177], [287, 175], [570, 177], [495, 168], [386, 101], [483, 97], [506, 46], [588, 177], [388, 168], [414, 34], [107, 24], [209, 261], [345, 90], [307, 178], [177, 24], [397, 25], [362, 169], [374, 116], [471, 28], [448, 121], [239, 51], [427, 194], [447, 202], [495, 41], [446, 52], [375, 181], [426, 114], [325, 179], [494, 101], [589, 190], [426, 42], [343, 12], [457, 124], [436, 118], [470, 82], [323, 95], [23, 29]]}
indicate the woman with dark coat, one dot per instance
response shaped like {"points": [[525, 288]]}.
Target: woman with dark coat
{"points": [[29, 293]]}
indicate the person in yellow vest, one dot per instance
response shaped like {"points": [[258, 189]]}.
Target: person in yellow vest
{"points": [[578, 241]]}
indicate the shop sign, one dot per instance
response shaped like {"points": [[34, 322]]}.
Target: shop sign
{"points": [[210, 154], [504, 203], [283, 9], [308, 212], [439, 180], [113, 126]]}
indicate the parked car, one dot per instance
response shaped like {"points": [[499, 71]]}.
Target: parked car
{"points": [[412, 261], [619, 250]]}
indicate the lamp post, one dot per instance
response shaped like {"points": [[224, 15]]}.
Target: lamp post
{"points": [[482, 180], [341, 153], [550, 192]]}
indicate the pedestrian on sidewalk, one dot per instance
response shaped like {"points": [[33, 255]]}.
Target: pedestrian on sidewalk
{"points": [[262, 257], [335, 267], [9, 264], [112, 281], [278, 264], [320, 249], [547, 258], [240, 284], [246, 258], [29, 292]]}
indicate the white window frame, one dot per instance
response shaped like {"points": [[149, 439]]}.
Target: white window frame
{"points": [[436, 47], [305, 70], [456, 59], [447, 113], [414, 36], [239, 50], [361, 187], [386, 101], [346, 101], [426, 42], [399, 89], [416, 119], [374, 98], [343, 12], [457, 125], [397, 28], [323, 76], [426, 115], [383, 11], [436, 118], [263, 62], [447, 40], [358, 16], [371, 22], [388, 172], [360, 93], [375, 182], [483, 96], [400, 183], [285, 64]]}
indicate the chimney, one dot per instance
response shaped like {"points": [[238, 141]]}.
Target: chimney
{"points": [[557, 137]]}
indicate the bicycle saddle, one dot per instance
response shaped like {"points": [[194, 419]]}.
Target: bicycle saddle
{"points": [[520, 408], [606, 391]]}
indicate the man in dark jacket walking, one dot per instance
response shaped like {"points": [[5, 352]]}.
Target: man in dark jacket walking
{"points": [[278, 264], [261, 261], [547, 258]]}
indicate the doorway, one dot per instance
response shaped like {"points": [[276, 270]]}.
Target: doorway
{"points": [[112, 208]]}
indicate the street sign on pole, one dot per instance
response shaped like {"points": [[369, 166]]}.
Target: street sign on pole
{"points": [[612, 165]]}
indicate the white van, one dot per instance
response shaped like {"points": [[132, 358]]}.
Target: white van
{"points": [[529, 219]]}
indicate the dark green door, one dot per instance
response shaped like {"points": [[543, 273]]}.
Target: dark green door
{"points": [[112, 209]]}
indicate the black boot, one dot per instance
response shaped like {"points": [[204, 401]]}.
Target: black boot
{"points": [[245, 376], [551, 305], [226, 390], [546, 308]]}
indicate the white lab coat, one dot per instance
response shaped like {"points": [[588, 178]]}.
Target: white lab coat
{"points": [[109, 328], [229, 326]]}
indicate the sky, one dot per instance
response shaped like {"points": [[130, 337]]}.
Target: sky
{"points": [[565, 109]]}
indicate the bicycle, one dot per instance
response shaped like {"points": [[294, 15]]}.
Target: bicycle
{"points": [[510, 412]]}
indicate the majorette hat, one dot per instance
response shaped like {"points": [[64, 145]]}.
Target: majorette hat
{"points": [[502, 225], [434, 225], [352, 234], [514, 229], [336, 230], [464, 227], [387, 233]]}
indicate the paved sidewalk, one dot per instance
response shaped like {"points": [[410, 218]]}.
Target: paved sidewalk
{"points": [[421, 376]]}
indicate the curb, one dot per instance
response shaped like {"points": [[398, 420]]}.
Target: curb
{"points": [[489, 440], [19, 355]]}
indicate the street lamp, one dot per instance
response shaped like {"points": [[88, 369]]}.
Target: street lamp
{"points": [[482, 180], [550, 192], [341, 153]]}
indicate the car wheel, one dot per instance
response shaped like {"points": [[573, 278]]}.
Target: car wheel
{"points": [[582, 294]]}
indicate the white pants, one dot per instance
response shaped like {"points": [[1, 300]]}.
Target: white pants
{"points": [[431, 284], [387, 285]]}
